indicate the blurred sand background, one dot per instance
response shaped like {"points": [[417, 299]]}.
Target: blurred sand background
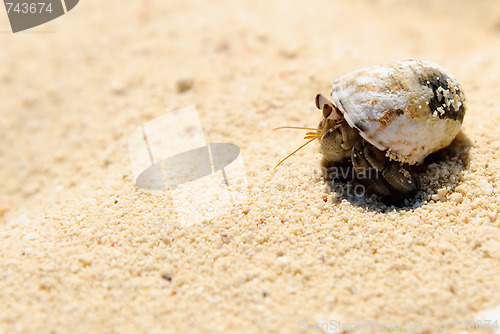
{"points": [[84, 250]]}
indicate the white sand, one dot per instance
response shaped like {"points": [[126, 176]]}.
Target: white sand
{"points": [[73, 260]]}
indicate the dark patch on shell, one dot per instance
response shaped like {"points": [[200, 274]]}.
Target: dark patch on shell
{"points": [[360, 127], [433, 78], [391, 113]]}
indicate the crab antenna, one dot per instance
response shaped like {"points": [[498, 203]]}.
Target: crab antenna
{"points": [[288, 156], [309, 135]]}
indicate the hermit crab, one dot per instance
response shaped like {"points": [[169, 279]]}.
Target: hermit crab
{"points": [[386, 118]]}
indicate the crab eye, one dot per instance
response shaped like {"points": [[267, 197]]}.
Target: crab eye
{"points": [[327, 111]]}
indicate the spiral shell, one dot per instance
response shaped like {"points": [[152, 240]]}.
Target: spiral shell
{"points": [[408, 109]]}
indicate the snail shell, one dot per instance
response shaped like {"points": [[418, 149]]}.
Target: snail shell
{"points": [[408, 109]]}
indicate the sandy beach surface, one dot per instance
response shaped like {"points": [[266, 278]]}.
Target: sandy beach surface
{"points": [[85, 250]]}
